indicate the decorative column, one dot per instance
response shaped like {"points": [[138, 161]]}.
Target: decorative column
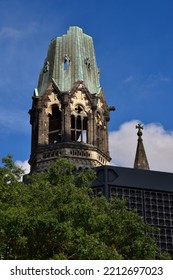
{"points": [[66, 118]]}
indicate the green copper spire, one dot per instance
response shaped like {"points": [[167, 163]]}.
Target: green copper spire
{"points": [[70, 58]]}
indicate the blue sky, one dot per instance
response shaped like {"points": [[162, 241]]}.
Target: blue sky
{"points": [[134, 50]]}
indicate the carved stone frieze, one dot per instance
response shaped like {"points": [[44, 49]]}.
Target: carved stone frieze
{"points": [[80, 98], [52, 99]]}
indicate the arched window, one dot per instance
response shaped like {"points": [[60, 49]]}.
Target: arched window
{"points": [[79, 125], [55, 125]]}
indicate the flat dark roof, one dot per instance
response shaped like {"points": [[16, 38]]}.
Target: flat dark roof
{"points": [[134, 178]]}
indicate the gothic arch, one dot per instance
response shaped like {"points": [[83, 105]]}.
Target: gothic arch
{"points": [[54, 124], [79, 125]]}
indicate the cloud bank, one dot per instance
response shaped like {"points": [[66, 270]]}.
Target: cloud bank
{"points": [[24, 165], [157, 141], [9, 32]]}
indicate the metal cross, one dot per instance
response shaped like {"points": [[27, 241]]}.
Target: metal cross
{"points": [[139, 127]]}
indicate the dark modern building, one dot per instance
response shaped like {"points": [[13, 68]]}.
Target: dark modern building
{"points": [[149, 192], [69, 118]]}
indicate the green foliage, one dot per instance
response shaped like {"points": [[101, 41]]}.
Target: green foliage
{"points": [[10, 171], [56, 216]]}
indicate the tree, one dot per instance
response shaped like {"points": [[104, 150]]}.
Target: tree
{"points": [[56, 216]]}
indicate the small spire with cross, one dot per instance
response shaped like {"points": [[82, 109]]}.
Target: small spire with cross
{"points": [[139, 133], [141, 161]]}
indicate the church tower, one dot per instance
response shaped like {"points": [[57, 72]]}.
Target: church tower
{"points": [[69, 114]]}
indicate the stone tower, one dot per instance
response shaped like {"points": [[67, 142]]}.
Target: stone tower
{"points": [[69, 114]]}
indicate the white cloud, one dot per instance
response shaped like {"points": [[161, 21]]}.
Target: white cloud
{"points": [[158, 145], [158, 78], [9, 32], [13, 33], [24, 165], [129, 79]]}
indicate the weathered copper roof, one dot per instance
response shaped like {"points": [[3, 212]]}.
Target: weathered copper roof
{"points": [[70, 58]]}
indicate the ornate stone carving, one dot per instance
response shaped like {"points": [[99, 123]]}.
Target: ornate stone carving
{"points": [[46, 67], [79, 98], [52, 99]]}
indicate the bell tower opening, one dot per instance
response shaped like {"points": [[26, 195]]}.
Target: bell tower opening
{"points": [[55, 125], [79, 125]]}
